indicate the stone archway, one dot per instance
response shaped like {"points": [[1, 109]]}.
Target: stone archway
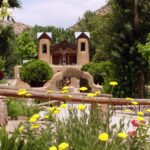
{"points": [[72, 72]]}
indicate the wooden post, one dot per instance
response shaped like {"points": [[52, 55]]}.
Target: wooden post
{"points": [[3, 112]]}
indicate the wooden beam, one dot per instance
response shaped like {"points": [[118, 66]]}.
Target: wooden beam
{"points": [[75, 98]]}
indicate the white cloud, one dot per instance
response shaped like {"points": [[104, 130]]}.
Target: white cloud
{"points": [[60, 13]]}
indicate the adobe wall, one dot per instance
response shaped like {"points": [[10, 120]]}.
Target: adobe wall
{"points": [[44, 56], [82, 56]]}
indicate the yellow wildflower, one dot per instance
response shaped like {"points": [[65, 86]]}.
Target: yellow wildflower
{"points": [[147, 110], [140, 118], [97, 93], [63, 146], [91, 95], [127, 110], [103, 137], [64, 91], [22, 90], [81, 107], [52, 108], [31, 120], [49, 91], [47, 116], [21, 93], [52, 148], [122, 135], [83, 89], [34, 126], [129, 99], [56, 111], [21, 128], [135, 103], [63, 105], [69, 96], [113, 83], [28, 94], [65, 88], [140, 113], [34, 118]]}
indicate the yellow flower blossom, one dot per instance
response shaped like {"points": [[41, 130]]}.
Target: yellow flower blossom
{"points": [[135, 103], [63, 146], [52, 108], [147, 110], [91, 95], [56, 111], [97, 93], [31, 120], [65, 88], [22, 90], [122, 135], [21, 128], [34, 118], [140, 113], [69, 96], [21, 93], [49, 91], [81, 107], [28, 94], [140, 118], [83, 89], [64, 91], [63, 105], [113, 83], [103, 137], [34, 126], [47, 116], [129, 99], [127, 111], [52, 148]]}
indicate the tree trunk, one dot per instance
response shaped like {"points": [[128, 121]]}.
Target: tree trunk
{"points": [[136, 18], [3, 112]]}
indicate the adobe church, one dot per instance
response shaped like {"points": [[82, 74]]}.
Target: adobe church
{"points": [[65, 58], [64, 55]]}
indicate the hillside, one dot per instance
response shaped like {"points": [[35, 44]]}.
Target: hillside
{"points": [[17, 26]]}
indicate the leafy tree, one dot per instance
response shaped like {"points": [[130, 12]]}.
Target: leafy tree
{"points": [[127, 24], [102, 72], [58, 34], [12, 3], [26, 48], [144, 49], [7, 48], [36, 72], [1, 63]]}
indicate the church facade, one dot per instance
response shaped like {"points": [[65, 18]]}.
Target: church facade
{"points": [[64, 54]]}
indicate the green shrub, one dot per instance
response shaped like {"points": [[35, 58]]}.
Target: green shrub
{"points": [[102, 73], [36, 73], [19, 108]]}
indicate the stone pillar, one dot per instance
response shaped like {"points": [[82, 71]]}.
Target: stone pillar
{"points": [[3, 112]]}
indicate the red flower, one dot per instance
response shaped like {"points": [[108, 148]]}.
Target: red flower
{"points": [[132, 133], [134, 123]]}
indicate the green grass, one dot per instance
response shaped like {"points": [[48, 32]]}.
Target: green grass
{"points": [[18, 107]]}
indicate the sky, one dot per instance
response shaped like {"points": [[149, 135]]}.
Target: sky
{"points": [[59, 13]]}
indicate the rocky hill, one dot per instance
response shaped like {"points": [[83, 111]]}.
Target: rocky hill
{"points": [[17, 26], [102, 11]]}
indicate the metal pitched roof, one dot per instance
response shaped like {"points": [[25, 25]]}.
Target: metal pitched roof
{"points": [[77, 34], [39, 34]]}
